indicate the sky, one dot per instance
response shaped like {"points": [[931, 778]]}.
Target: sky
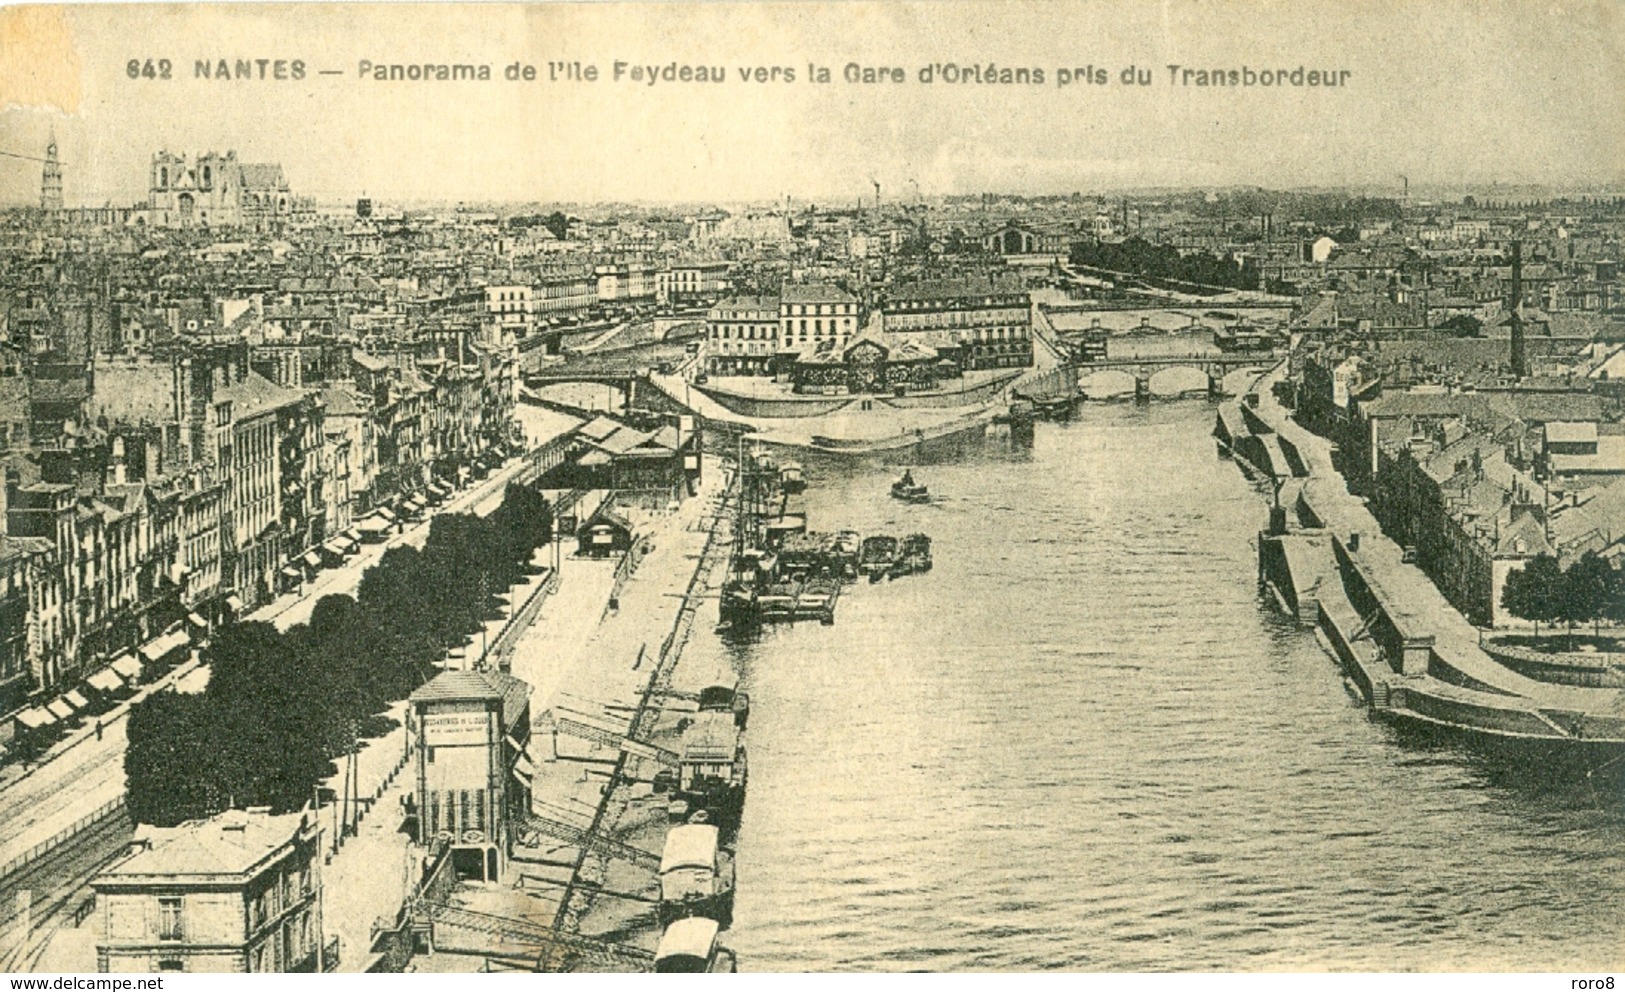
{"points": [[1445, 93]]}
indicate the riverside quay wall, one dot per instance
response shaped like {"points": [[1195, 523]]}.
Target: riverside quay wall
{"points": [[1413, 656]]}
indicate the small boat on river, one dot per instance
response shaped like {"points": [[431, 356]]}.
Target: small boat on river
{"points": [[792, 479], [909, 491]]}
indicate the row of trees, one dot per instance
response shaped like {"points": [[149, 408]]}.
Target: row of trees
{"points": [[1153, 261], [279, 707], [1588, 591]]}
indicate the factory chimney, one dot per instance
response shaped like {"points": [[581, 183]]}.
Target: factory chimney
{"points": [[1520, 363]]}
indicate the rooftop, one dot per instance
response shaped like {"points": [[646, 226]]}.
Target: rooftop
{"points": [[234, 843], [816, 293], [472, 686], [257, 394]]}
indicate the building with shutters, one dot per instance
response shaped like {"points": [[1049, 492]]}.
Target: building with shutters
{"points": [[239, 892]]}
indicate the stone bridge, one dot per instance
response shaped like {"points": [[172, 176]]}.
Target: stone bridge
{"points": [[1215, 368]]}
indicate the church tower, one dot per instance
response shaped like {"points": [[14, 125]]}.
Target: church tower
{"points": [[50, 193]]}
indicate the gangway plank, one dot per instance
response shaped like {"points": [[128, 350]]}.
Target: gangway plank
{"points": [[547, 941], [596, 890], [588, 839], [609, 738]]}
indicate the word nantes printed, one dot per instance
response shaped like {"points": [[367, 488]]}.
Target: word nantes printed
{"points": [[283, 69]]}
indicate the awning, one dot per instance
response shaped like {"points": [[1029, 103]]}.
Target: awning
{"points": [[353, 533], [105, 680], [234, 603], [415, 505], [160, 648], [60, 709], [293, 573], [335, 547], [197, 621], [374, 525], [386, 513], [127, 667], [313, 559], [523, 769], [35, 718], [77, 700]]}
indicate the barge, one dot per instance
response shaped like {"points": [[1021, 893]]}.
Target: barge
{"points": [[913, 556], [877, 556], [696, 876], [711, 772]]}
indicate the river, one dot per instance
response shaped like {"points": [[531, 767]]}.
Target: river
{"points": [[1084, 742]]}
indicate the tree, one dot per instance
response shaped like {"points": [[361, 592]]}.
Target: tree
{"points": [[167, 766], [524, 522], [393, 589], [280, 706], [467, 566], [1535, 591], [271, 691], [1613, 602], [1588, 586]]}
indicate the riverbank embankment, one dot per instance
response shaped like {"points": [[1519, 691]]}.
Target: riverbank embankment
{"points": [[1414, 658]]}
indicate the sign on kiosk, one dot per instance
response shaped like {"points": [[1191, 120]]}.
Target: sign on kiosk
{"points": [[453, 729]]}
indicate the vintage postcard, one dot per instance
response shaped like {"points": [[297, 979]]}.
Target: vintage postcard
{"points": [[819, 486]]}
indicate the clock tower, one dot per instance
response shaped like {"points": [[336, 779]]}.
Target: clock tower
{"points": [[50, 194]]}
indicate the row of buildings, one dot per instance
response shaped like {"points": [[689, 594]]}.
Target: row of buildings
{"points": [[920, 330], [196, 481], [1471, 468]]}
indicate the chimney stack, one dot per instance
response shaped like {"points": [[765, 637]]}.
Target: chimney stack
{"points": [[1520, 365]]}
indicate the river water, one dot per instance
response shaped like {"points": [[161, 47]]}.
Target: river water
{"points": [[1084, 742]]}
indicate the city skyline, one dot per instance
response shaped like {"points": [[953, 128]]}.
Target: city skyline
{"points": [[1461, 98]]}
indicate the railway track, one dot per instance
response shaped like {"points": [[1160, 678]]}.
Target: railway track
{"points": [[57, 882]]}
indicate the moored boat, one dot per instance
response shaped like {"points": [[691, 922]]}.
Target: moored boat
{"points": [[723, 696], [878, 554], [711, 770], [913, 556], [848, 546], [690, 946], [817, 600], [696, 876]]}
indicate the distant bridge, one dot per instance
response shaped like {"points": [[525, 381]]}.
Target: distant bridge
{"points": [[1215, 367], [1069, 382], [1222, 363], [602, 377]]}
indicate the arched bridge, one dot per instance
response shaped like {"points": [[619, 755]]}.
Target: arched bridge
{"points": [[1209, 369]]}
